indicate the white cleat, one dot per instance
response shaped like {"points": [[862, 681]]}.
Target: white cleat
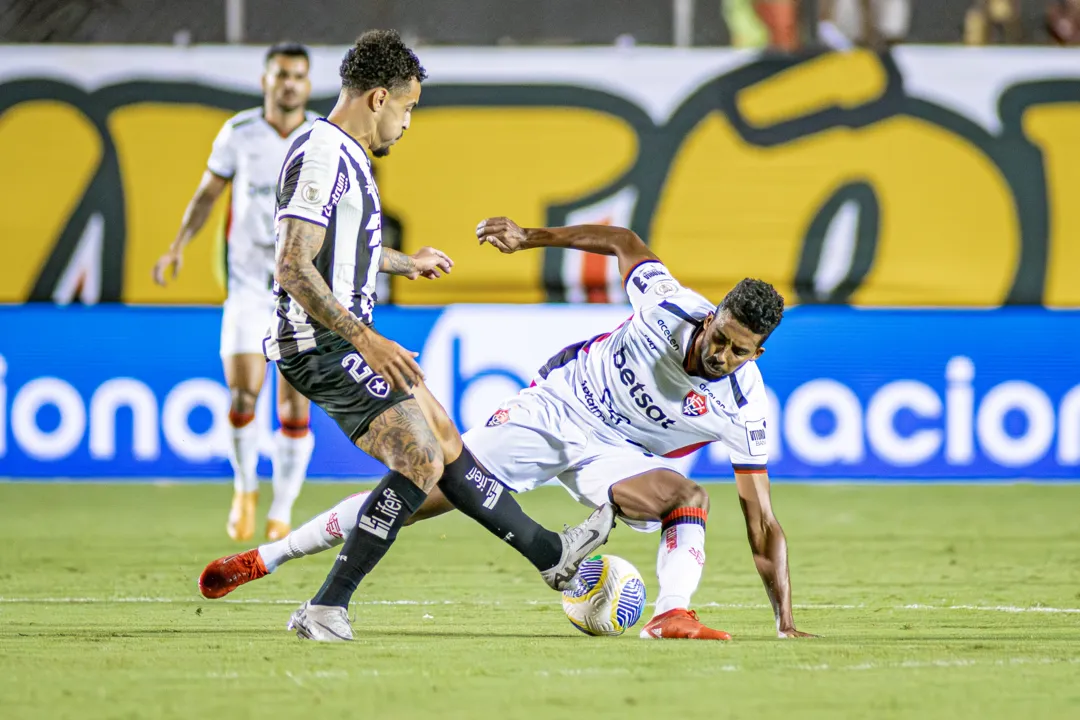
{"points": [[323, 623], [577, 544]]}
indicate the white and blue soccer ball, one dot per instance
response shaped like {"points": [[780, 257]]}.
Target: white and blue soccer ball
{"points": [[606, 597]]}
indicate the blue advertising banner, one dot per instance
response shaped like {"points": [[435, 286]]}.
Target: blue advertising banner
{"points": [[137, 392]]}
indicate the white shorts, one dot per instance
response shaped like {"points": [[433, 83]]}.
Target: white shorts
{"points": [[245, 319], [534, 437]]}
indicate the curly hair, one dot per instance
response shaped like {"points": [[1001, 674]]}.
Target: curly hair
{"points": [[380, 59], [756, 304]]}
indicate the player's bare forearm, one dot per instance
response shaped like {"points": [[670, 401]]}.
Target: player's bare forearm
{"points": [[394, 262], [198, 210], [623, 243], [296, 273], [768, 545]]}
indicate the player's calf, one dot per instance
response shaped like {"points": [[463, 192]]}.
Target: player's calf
{"points": [[682, 507], [401, 439]]}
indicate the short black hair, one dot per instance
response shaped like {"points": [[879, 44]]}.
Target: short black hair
{"points": [[380, 59], [288, 49], [755, 304]]}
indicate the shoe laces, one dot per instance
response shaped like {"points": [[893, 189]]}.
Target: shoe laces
{"points": [[573, 533]]}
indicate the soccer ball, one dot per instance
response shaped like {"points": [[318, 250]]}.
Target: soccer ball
{"points": [[606, 597]]}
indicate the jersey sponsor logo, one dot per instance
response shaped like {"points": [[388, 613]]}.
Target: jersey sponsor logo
{"points": [[704, 388], [667, 334], [642, 399], [341, 186], [254, 190], [602, 407], [650, 272], [755, 437], [499, 417], [694, 404]]}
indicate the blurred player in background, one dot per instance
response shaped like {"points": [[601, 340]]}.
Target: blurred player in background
{"points": [[606, 417], [248, 153]]}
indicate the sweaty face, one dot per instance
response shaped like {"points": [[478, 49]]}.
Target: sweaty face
{"points": [[394, 117], [725, 344], [286, 82]]}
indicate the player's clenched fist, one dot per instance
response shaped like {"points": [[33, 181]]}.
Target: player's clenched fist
{"points": [[502, 233], [393, 362]]}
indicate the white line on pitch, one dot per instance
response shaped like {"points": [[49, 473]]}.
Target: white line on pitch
{"points": [[488, 603]]}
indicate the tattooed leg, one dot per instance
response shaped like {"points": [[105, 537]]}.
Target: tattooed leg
{"points": [[477, 493], [402, 440]]}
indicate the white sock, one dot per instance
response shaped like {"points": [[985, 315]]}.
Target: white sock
{"points": [[679, 562], [321, 532], [244, 456], [291, 457]]}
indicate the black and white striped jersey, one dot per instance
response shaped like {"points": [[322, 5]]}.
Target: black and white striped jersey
{"points": [[327, 180]]}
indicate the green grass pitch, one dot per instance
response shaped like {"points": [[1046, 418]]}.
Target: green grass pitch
{"points": [[932, 601]]}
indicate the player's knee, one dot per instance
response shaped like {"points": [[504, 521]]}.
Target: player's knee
{"points": [[293, 413], [241, 407], [423, 465], [690, 494]]}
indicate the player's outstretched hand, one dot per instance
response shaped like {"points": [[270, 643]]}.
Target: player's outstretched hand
{"points": [[431, 263], [394, 363], [793, 633], [173, 259], [501, 233]]}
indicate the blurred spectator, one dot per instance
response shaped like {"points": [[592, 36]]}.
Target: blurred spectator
{"points": [[1063, 21], [762, 23], [990, 21], [843, 24]]}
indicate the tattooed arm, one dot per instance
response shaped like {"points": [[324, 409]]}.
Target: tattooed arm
{"points": [[296, 274], [427, 262]]}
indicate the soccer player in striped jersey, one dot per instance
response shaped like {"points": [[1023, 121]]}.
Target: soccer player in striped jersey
{"points": [[606, 417], [329, 252], [247, 156]]}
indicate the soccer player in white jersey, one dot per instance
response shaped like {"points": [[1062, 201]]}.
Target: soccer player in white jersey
{"points": [[606, 417], [247, 154]]}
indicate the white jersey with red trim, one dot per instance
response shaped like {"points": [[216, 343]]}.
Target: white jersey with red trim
{"points": [[633, 379], [249, 152]]}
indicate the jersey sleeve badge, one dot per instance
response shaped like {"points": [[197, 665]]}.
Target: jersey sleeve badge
{"points": [[755, 438]]}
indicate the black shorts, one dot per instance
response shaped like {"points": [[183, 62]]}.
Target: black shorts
{"points": [[337, 379]]}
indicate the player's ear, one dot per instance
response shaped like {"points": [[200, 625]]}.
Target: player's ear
{"points": [[759, 353], [377, 99]]}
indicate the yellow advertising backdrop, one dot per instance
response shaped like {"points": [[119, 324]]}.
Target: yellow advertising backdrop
{"points": [[820, 174]]}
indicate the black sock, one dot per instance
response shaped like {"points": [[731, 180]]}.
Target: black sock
{"points": [[488, 502], [390, 505]]}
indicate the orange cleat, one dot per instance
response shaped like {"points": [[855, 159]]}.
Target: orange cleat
{"points": [[241, 526], [680, 623], [224, 575], [276, 529]]}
